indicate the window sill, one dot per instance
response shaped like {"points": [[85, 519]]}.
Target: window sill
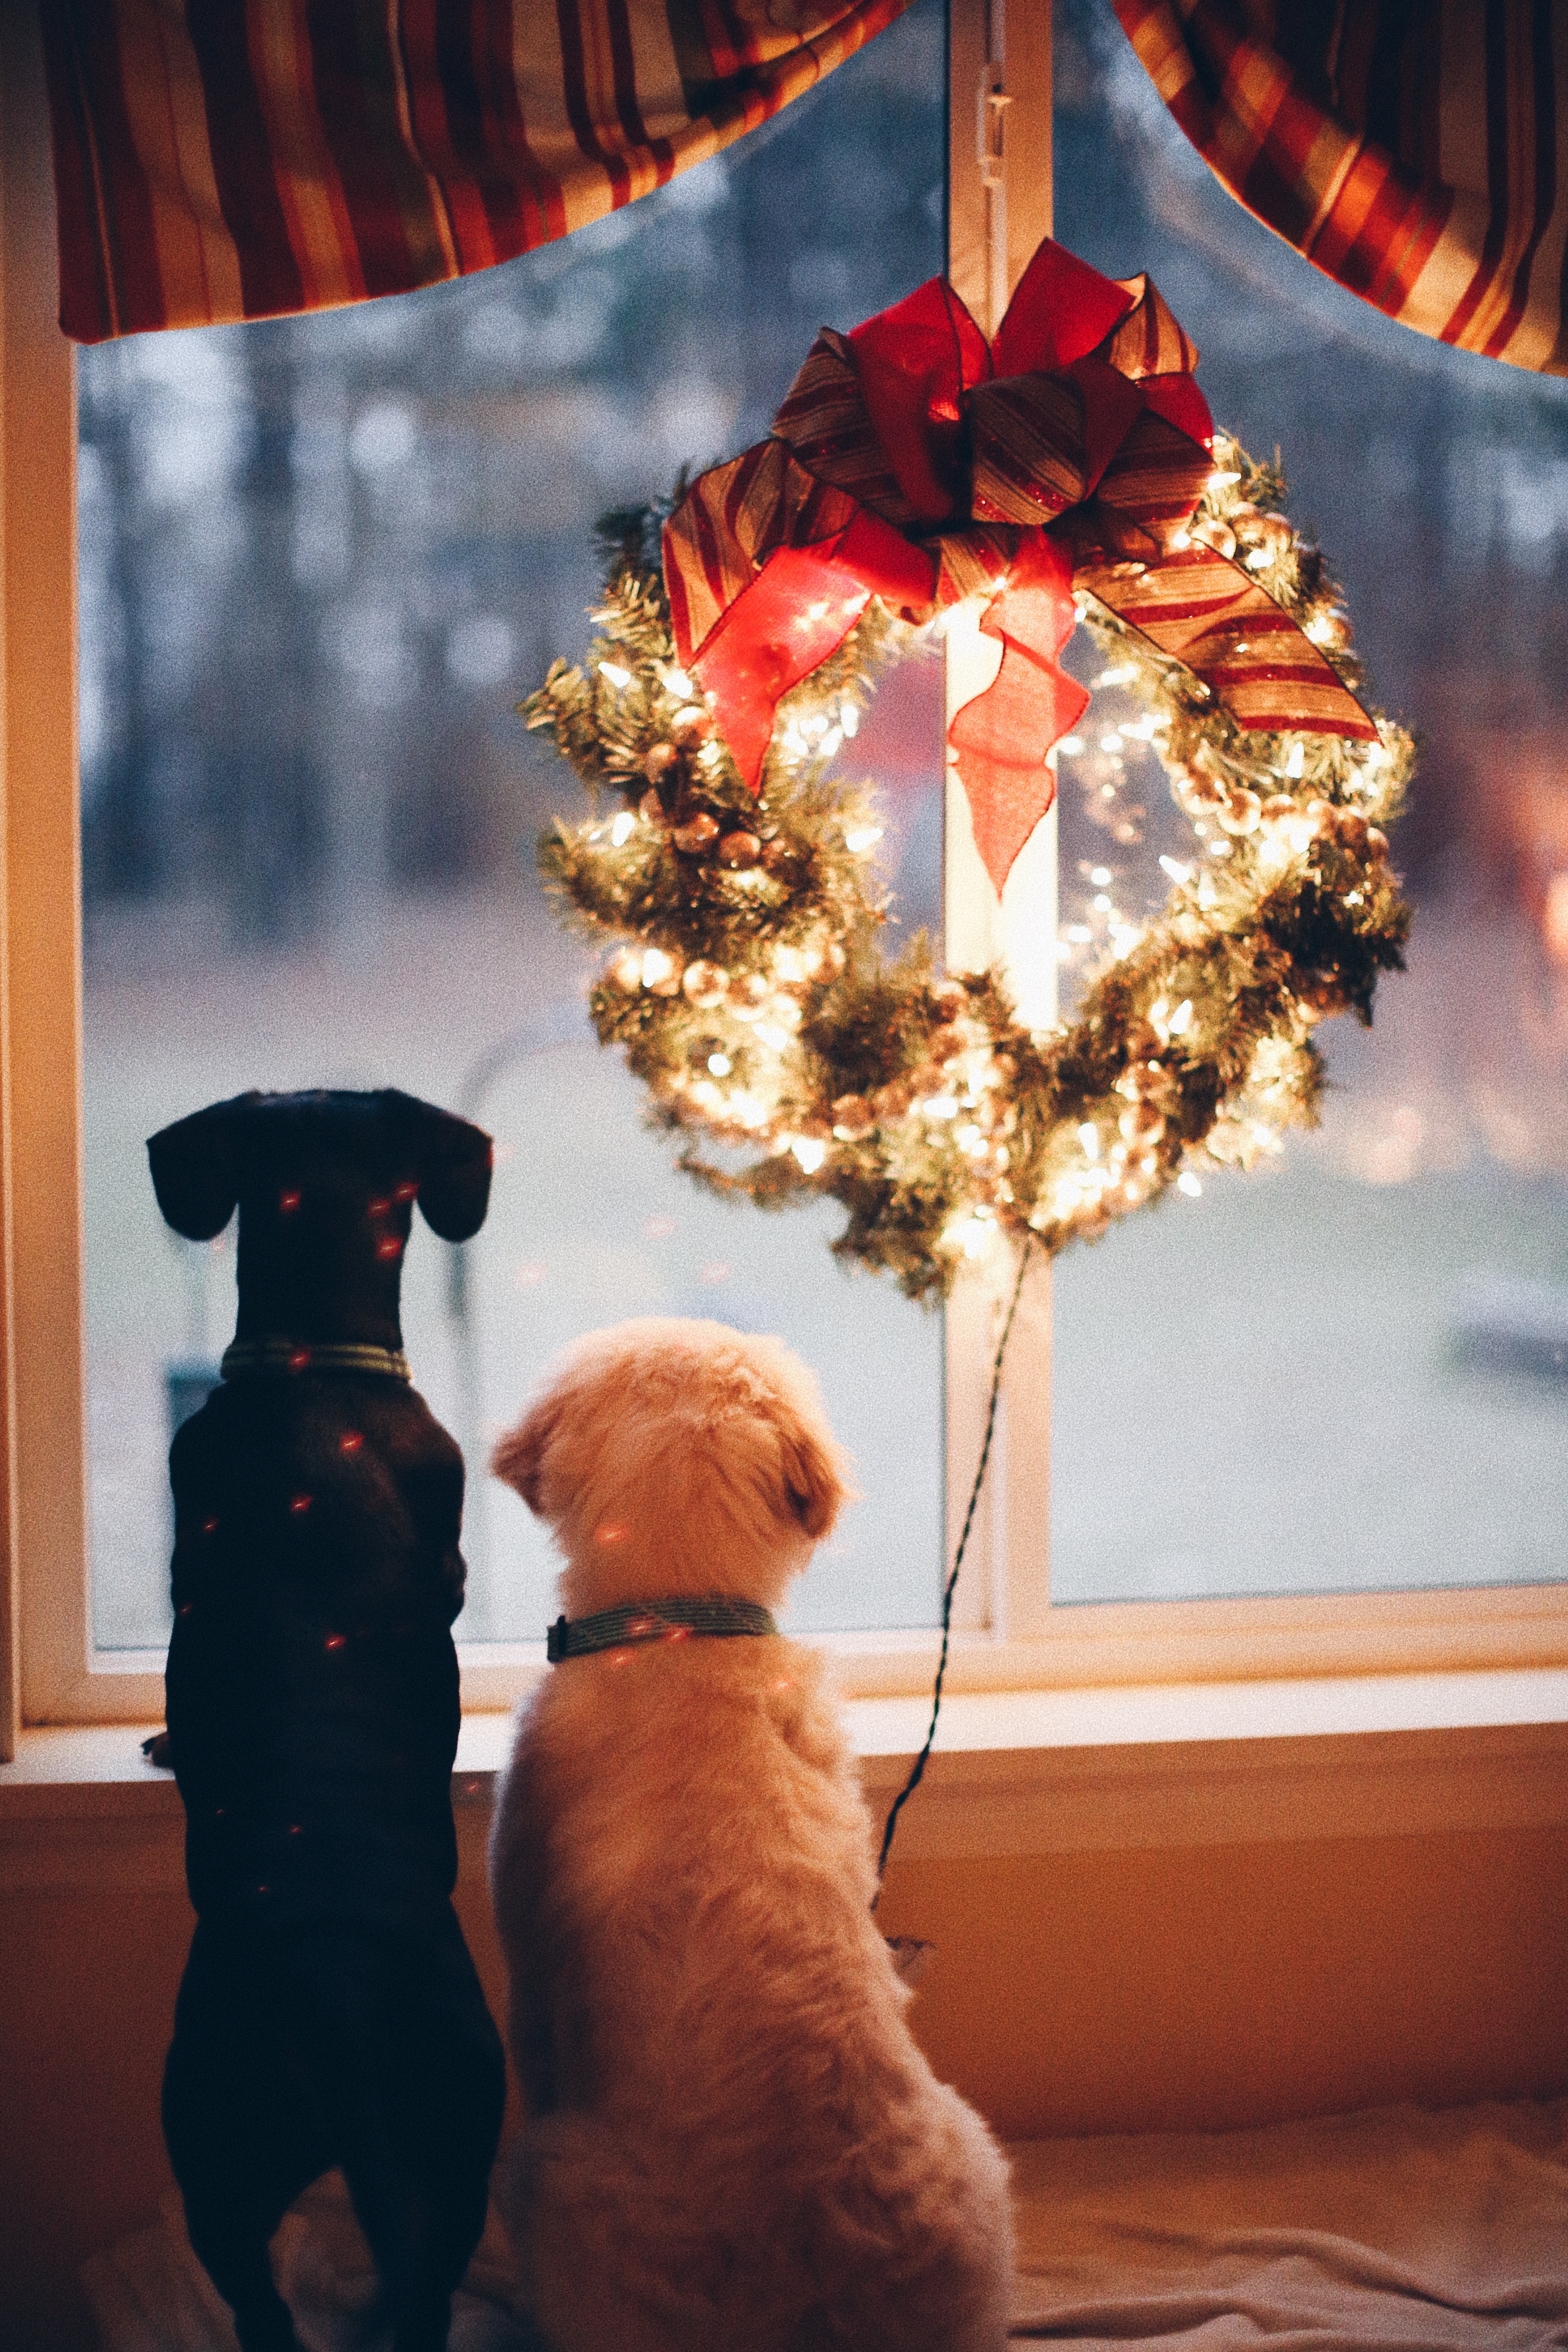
{"points": [[1185, 1644], [1015, 1772], [1276, 1639]]}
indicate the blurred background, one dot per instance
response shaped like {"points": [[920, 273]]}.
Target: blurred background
{"points": [[1352, 1372], [323, 559]]}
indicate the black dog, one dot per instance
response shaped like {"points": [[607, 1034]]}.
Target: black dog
{"points": [[329, 2013]]}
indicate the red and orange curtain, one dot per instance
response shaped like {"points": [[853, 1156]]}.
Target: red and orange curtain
{"points": [[218, 160], [236, 159], [1414, 149]]}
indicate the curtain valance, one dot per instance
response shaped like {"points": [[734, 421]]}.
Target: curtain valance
{"points": [[239, 159], [1412, 149]]}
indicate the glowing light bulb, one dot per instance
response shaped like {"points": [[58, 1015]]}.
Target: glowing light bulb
{"points": [[616, 676], [720, 1064], [810, 1151], [623, 828]]}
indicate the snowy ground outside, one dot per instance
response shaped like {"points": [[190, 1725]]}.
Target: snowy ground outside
{"points": [[1254, 1391]]}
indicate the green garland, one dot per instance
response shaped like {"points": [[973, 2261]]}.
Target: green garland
{"points": [[752, 1000]]}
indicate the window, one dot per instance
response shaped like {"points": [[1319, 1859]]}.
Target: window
{"points": [[1349, 1373], [320, 560], [1012, 1633]]}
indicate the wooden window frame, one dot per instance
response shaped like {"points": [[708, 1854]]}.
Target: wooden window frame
{"points": [[1008, 1635]]}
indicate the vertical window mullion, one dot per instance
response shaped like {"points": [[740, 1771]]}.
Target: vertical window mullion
{"points": [[42, 1011], [999, 207]]}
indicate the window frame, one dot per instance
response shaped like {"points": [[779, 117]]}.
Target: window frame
{"points": [[1007, 1634]]}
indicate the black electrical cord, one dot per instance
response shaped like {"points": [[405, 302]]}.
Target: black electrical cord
{"points": [[917, 1770]]}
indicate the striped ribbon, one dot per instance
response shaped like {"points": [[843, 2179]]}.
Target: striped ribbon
{"points": [[913, 462], [673, 1620], [1412, 154], [217, 159]]}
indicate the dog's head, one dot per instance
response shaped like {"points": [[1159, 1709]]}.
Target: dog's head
{"points": [[676, 1457], [325, 1184]]}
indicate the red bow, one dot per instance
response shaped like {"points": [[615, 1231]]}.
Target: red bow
{"points": [[912, 462]]}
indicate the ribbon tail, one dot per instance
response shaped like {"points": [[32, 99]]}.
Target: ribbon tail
{"points": [[1002, 737], [1210, 616], [798, 612]]}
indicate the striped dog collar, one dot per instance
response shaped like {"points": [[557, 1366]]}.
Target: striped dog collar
{"points": [[312, 1356], [654, 1621]]}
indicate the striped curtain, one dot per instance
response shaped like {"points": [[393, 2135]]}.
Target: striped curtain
{"points": [[1409, 148], [239, 159]]}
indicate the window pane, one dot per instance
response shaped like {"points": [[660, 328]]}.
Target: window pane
{"points": [[1352, 1373], [322, 559]]}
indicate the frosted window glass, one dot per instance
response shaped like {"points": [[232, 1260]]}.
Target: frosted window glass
{"points": [[1351, 1374], [322, 559]]}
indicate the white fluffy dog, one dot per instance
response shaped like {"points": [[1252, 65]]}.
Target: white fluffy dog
{"points": [[732, 2143]]}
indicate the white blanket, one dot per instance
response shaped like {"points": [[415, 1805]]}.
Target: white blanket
{"points": [[1439, 2232], [1403, 2230]]}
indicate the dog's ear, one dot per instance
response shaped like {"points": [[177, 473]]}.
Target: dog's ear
{"points": [[454, 1160], [195, 1169], [519, 1457], [812, 1475]]}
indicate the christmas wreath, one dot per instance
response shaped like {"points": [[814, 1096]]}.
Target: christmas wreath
{"points": [[1068, 472]]}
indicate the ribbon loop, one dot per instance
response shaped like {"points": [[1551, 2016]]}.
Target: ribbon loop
{"points": [[827, 424], [1149, 341], [913, 463]]}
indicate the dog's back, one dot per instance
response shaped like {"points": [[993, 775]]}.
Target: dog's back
{"points": [[312, 1681], [734, 2141]]}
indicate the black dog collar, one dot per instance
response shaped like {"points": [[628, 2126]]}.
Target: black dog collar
{"points": [[312, 1356], [654, 1621]]}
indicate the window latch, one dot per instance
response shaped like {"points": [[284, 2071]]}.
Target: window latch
{"points": [[993, 100]]}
